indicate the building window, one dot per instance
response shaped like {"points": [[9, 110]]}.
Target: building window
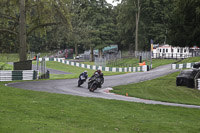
{"points": [[160, 50], [185, 50], [163, 50], [181, 50], [177, 50], [166, 50]]}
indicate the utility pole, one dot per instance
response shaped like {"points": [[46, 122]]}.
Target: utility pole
{"points": [[22, 32]]}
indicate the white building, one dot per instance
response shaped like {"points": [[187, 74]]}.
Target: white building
{"points": [[167, 51]]}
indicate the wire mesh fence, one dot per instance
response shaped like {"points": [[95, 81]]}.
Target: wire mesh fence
{"points": [[129, 60]]}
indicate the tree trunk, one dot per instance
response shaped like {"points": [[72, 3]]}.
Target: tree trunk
{"points": [[136, 34], [22, 32], [91, 54], [76, 49], [100, 53], [137, 26]]}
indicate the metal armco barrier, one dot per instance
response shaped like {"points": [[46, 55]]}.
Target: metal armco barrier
{"points": [[8, 75]]}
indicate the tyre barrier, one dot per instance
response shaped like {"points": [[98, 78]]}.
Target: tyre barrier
{"points": [[9, 75], [181, 66], [108, 69], [198, 84]]}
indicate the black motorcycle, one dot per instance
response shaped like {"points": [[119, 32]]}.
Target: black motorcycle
{"points": [[95, 82], [81, 80]]}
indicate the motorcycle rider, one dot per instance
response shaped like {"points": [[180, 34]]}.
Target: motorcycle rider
{"points": [[97, 73], [84, 74]]}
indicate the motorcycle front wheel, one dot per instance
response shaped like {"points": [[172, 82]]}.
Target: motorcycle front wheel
{"points": [[93, 87]]}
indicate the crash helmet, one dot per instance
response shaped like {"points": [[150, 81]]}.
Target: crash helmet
{"points": [[85, 72], [98, 70]]}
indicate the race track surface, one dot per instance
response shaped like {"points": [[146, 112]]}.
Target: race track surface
{"points": [[69, 86]]}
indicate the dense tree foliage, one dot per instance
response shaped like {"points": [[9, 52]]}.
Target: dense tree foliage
{"points": [[40, 14], [94, 24], [152, 17], [185, 23]]}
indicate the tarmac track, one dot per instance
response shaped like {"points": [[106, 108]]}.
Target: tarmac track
{"points": [[69, 86]]}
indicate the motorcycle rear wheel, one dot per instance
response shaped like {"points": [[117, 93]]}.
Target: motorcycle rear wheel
{"points": [[79, 83]]}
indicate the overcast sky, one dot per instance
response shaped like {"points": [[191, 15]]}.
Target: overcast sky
{"points": [[114, 4]]}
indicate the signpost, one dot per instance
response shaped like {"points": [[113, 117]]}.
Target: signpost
{"points": [[151, 51]]}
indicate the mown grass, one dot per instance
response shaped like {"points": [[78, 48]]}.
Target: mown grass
{"points": [[161, 89], [190, 60], [5, 66], [31, 111], [74, 70], [88, 63], [161, 62], [133, 62], [14, 57]]}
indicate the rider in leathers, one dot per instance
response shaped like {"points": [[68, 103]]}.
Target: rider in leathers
{"points": [[97, 73]]}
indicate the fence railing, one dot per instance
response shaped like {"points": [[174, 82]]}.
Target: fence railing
{"points": [[171, 55], [116, 59], [100, 61], [119, 63]]}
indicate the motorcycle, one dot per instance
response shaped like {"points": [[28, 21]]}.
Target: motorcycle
{"points": [[81, 80], [95, 83]]}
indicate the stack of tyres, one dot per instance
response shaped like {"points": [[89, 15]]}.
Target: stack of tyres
{"points": [[186, 78]]}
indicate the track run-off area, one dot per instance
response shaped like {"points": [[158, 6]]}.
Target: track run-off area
{"points": [[69, 86]]}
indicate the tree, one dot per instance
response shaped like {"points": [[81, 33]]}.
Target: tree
{"points": [[100, 20], [184, 28], [39, 15], [130, 14], [93, 24], [142, 20]]}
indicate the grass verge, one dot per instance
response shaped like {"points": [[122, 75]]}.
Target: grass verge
{"points": [[161, 89], [31, 111], [133, 62], [14, 57], [4, 66], [190, 60], [161, 62], [9, 57], [74, 70]]}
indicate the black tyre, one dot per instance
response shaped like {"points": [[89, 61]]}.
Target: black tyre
{"points": [[93, 87], [179, 82], [79, 83]]}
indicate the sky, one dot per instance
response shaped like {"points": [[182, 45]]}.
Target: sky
{"points": [[114, 4]]}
